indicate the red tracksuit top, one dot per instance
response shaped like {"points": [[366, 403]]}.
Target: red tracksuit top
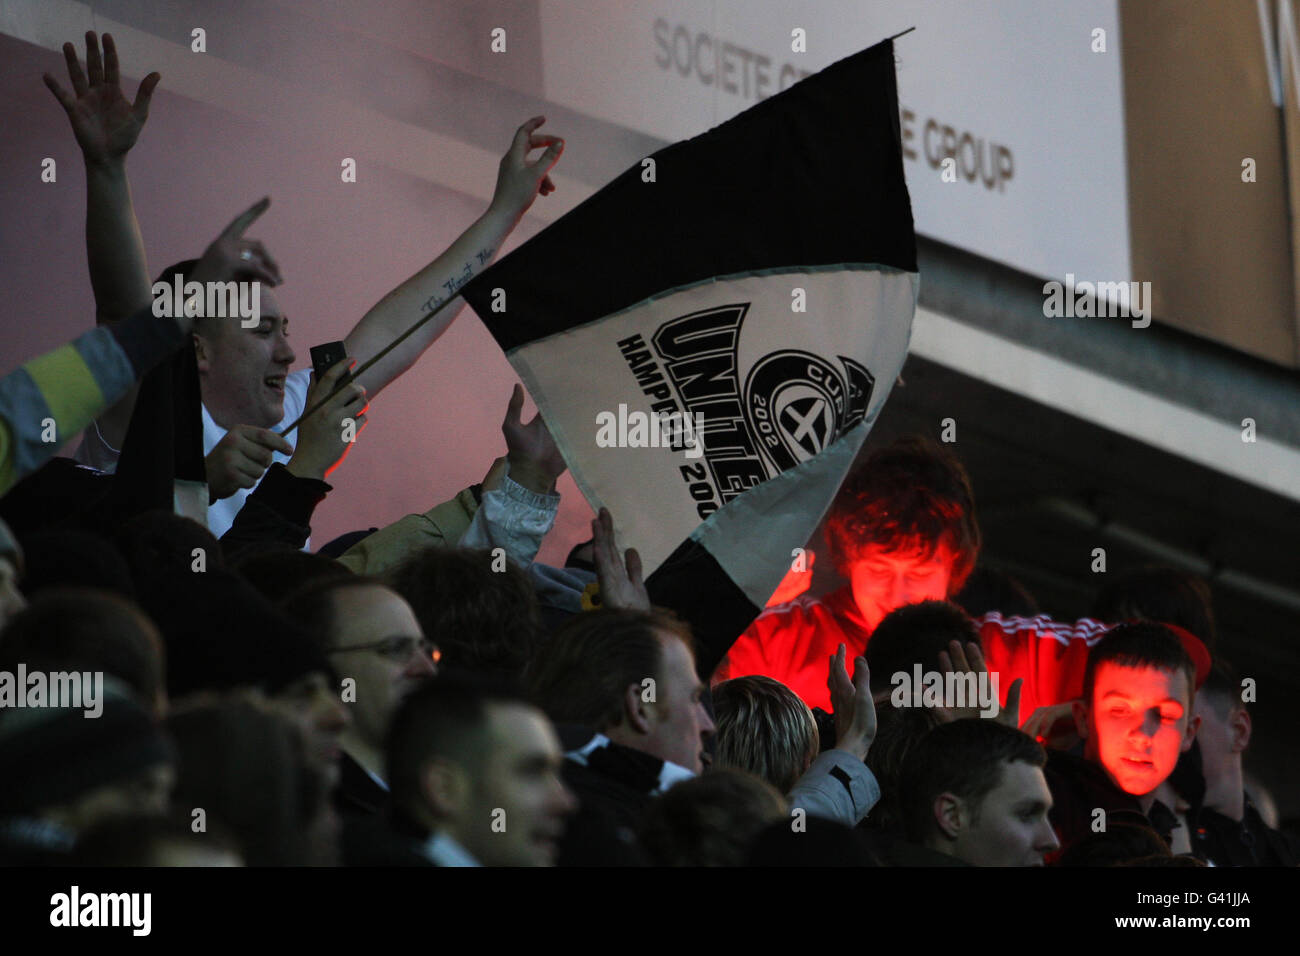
{"points": [[793, 643]]}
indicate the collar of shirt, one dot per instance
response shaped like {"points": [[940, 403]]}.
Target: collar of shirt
{"points": [[669, 773], [444, 851]]}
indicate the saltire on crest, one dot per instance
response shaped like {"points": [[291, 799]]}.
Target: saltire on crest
{"points": [[679, 295]]}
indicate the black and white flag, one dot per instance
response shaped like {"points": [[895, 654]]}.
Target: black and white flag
{"points": [[711, 336]]}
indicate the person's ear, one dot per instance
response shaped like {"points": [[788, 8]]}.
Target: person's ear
{"points": [[445, 788], [201, 353], [636, 711], [1239, 729], [1079, 711], [1193, 725], [949, 815]]}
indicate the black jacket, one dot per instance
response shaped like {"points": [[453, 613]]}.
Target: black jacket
{"points": [[357, 791], [613, 792], [1080, 786], [1223, 841], [277, 514], [383, 839]]}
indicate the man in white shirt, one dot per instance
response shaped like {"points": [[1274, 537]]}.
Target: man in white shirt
{"points": [[248, 391]]}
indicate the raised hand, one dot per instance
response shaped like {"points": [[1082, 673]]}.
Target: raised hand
{"points": [[620, 585], [971, 661], [104, 121], [851, 700], [535, 461], [518, 180]]}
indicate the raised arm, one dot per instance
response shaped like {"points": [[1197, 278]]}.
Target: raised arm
{"points": [[107, 125], [519, 182]]}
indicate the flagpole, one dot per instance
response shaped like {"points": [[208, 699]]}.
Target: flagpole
{"points": [[357, 374], [903, 34]]}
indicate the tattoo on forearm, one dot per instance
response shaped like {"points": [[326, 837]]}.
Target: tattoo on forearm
{"points": [[454, 284]]}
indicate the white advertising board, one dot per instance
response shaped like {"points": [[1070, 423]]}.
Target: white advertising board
{"points": [[1019, 93]]}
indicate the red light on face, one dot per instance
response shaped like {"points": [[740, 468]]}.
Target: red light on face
{"points": [[1138, 719]]}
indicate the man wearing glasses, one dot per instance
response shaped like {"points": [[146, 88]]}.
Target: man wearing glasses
{"points": [[378, 653]]}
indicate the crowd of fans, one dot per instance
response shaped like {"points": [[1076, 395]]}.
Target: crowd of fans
{"points": [[428, 693]]}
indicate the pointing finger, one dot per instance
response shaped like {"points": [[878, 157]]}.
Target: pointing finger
{"points": [[246, 219]]}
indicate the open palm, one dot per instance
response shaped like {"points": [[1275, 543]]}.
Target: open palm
{"points": [[104, 121]]}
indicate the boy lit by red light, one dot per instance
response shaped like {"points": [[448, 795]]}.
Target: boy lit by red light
{"points": [[1136, 724], [1135, 717]]}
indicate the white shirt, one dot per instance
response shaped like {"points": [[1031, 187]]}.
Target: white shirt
{"points": [[221, 514], [97, 453]]}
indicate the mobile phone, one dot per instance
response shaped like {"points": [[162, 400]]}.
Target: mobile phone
{"points": [[324, 357]]}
